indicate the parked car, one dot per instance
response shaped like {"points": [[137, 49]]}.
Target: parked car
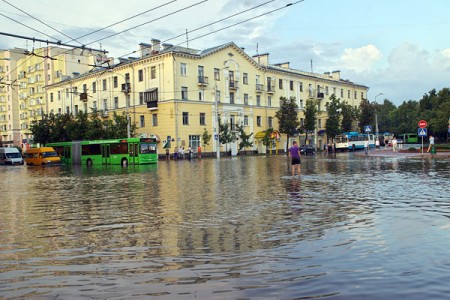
{"points": [[10, 156], [307, 150]]}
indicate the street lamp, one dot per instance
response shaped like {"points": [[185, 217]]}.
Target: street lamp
{"points": [[376, 116], [216, 102]]}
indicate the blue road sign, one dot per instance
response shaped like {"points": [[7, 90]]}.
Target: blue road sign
{"points": [[367, 129], [422, 132], [216, 137]]}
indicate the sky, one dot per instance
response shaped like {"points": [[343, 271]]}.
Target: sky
{"points": [[399, 49]]}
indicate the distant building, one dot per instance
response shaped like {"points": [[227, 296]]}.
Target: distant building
{"points": [[23, 77]]}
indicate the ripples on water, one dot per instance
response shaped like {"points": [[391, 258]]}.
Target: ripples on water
{"points": [[350, 228]]}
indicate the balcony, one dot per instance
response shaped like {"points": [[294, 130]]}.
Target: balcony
{"points": [[152, 105], [259, 88], [84, 97], [202, 81], [320, 95], [233, 84], [271, 89]]}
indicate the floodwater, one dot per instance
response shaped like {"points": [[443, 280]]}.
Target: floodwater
{"points": [[235, 228]]}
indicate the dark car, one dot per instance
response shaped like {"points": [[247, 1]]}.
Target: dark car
{"points": [[307, 150]]}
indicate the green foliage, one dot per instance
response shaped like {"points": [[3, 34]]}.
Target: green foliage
{"points": [[332, 123], [206, 138], [287, 116], [349, 117], [366, 114], [244, 138], [267, 140], [310, 116], [83, 126]]}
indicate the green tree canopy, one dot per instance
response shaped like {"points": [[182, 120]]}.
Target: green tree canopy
{"points": [[310, 116], [332, 127], [366, 114]]}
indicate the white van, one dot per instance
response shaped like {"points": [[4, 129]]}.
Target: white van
{"points": [[10, 156]]}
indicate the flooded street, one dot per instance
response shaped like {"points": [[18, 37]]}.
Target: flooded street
{"points": [[350, 228]]}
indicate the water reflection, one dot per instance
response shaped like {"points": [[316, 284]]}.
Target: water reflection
{"points": [[228, 228]]}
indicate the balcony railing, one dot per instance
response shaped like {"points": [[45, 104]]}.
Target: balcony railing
{"points": [[233, 84], [202, 81], [259, 87], [271, 89]]}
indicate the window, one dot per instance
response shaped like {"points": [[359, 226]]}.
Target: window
{"points": [[141, 77], [67, 110], [216, 74], [76, 109], [141, 98], [115, 82], [51, 97], [245, 99], [155, 119], [116, 102], [301, 104], [183, 69], [270, 122], [127, 77], [258, 100], [153, 72], [348, 94], [185, 118], [232, 98], [310, 90], [334, 91], [245, 120], [105, 104], [269, 101], [301, 86], [142, 119], [258, 121], [280, 84], [94, 87], [245, 78], [291, 85], [319, 123], [184, 93], [302, 121], [94, 105], [356, 95], [362, 95], [59, 95], [104, 84], [342, 93], [200, 95], [202, 119], [218, 96], [326, 91]]}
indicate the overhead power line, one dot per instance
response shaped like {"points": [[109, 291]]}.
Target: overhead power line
{"points": [[124, 20], [27, 26], [159, 18], [40, 21], [50, 42]]}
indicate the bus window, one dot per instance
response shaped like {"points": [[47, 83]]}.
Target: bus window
{"points": [[91, 149], [119, 148]]}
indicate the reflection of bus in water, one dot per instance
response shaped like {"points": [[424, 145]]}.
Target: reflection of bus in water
{"points": [[353, 141], [125, 151], [409, 138]]}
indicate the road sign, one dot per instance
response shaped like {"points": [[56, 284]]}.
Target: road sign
{"points": [[423, 123], [367, 129], [422, 132]]}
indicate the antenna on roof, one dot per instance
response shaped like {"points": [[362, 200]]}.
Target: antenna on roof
{"points": [[187, 39]]}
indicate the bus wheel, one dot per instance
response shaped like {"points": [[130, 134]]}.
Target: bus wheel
{"points": [[89, 163], [124, 162], [353, 147]]}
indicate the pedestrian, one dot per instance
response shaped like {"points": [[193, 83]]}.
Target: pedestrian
{"points": [[431, 146], [294, 154], [199, 151], [366, 146], [325, 148], [377, 144], [189, 153], [394, 144], [167, 154], [175, 153]]}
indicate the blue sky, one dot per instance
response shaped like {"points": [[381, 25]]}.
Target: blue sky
{"points": [[398, 48]]}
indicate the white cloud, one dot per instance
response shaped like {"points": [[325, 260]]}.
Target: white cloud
{"points": [[361, 59]]}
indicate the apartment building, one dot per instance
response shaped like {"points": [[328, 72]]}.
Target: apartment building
{"points": [[24, 75], [175, 93]]}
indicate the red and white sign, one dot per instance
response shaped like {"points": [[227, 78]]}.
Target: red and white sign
{"points": [[423, 123]]}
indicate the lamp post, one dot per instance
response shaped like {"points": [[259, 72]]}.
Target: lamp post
{"points": [[376, 116], [216, 102]]}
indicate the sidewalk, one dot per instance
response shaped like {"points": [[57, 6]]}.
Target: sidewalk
{"points": [[390, 153]]}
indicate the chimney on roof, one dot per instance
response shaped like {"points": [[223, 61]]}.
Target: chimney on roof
{"points": [[336, 75], [145, 49], [156, 46], [262, 59], [167, 46]]}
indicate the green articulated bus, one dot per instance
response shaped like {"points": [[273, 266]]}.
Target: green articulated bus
{"points": [[136, 151]]}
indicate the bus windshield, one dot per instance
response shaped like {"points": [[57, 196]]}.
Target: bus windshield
{"points": [[147, 148], [49, 154]]}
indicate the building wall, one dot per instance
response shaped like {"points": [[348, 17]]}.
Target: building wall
{"points": [[172, 73]]}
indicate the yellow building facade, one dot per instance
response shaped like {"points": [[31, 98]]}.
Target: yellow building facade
{"points": [[175, 93]]}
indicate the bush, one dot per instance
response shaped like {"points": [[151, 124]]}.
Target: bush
{"points": [[412, 149]]}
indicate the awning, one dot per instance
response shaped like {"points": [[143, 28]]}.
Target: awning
{"points": [[260, 135], [151, 90], [274, 135]]}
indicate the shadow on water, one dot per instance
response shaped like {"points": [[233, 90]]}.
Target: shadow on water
{"points": [[228, 228]]}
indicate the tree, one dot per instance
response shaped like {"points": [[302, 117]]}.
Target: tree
{"points": [[332, 123], [206, 138], [366, 114], [226, 135], [244, 138], [349, 116], [384, 114], [310, 116], [288, 117]]}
